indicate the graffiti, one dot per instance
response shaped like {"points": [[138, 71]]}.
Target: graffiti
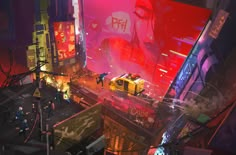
{"points": [[64, 133], [76, 134], [77, 127], [118, 23], [137, 112]]}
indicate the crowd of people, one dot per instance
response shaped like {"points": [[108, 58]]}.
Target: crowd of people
{"points": [[21, 121], [21, 117]]}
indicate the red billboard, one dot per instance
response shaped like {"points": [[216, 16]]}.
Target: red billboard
{"points": [[149, 37], [65, 39]]}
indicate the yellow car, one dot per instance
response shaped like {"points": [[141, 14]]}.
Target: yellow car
{"points": [[130, 83]]}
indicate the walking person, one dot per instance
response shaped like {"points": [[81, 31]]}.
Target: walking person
{"points": [[23, 128], [19, 117], [50, 108], [33, 108], [101, 77], [33, 112], [66, 96], [58, 96]]}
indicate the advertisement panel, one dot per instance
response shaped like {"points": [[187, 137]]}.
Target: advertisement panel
{"points": [[31, 58], [218, 23], [150, 38], [65, 39], [187, 129], [76, 128]]}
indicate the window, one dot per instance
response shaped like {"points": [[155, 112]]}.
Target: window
{"points": [[120, 82]]}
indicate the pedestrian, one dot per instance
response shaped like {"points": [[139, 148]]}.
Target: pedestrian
{"points": [[50, 108], [19, 114], [34, 112], [101, 77], [33, 108], [66, 97], [58, 96], [23, 128]]}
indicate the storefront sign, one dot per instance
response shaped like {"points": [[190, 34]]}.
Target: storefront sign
{"points": [[218, 23]]}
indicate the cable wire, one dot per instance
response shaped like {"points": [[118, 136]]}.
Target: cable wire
{"points": [[37, 118]]}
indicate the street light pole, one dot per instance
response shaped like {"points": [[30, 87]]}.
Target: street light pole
{"points": [[47, 133], [47, 138]]}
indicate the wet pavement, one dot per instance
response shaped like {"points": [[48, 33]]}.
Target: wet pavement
{"points": [[144, 112]]}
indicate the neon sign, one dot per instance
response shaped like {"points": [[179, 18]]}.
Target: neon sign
{"points": [[65, 39]]}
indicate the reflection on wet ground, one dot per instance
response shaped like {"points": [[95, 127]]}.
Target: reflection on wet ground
{"points": [[143, 111]]}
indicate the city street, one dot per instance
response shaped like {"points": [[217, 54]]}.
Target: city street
{"points": [[10, 140]]}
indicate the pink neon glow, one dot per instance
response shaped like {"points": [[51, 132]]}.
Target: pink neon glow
{"points": [[129, 36]]}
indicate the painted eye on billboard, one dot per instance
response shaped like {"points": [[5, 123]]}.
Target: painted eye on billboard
{"points": [[65, 39]]}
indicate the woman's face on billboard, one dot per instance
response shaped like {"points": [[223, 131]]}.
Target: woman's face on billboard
{"points": [[144, 25]]}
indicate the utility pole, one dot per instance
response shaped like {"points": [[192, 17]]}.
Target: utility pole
{"points": [[37, 71], [37, 74], [47, 133]]}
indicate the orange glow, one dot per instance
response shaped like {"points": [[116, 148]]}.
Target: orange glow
{"points": [[60, 83]]}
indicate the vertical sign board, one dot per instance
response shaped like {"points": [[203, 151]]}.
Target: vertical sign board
{"points": [[65, 39], [77, 127], [31, 58], [218, 23]]}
